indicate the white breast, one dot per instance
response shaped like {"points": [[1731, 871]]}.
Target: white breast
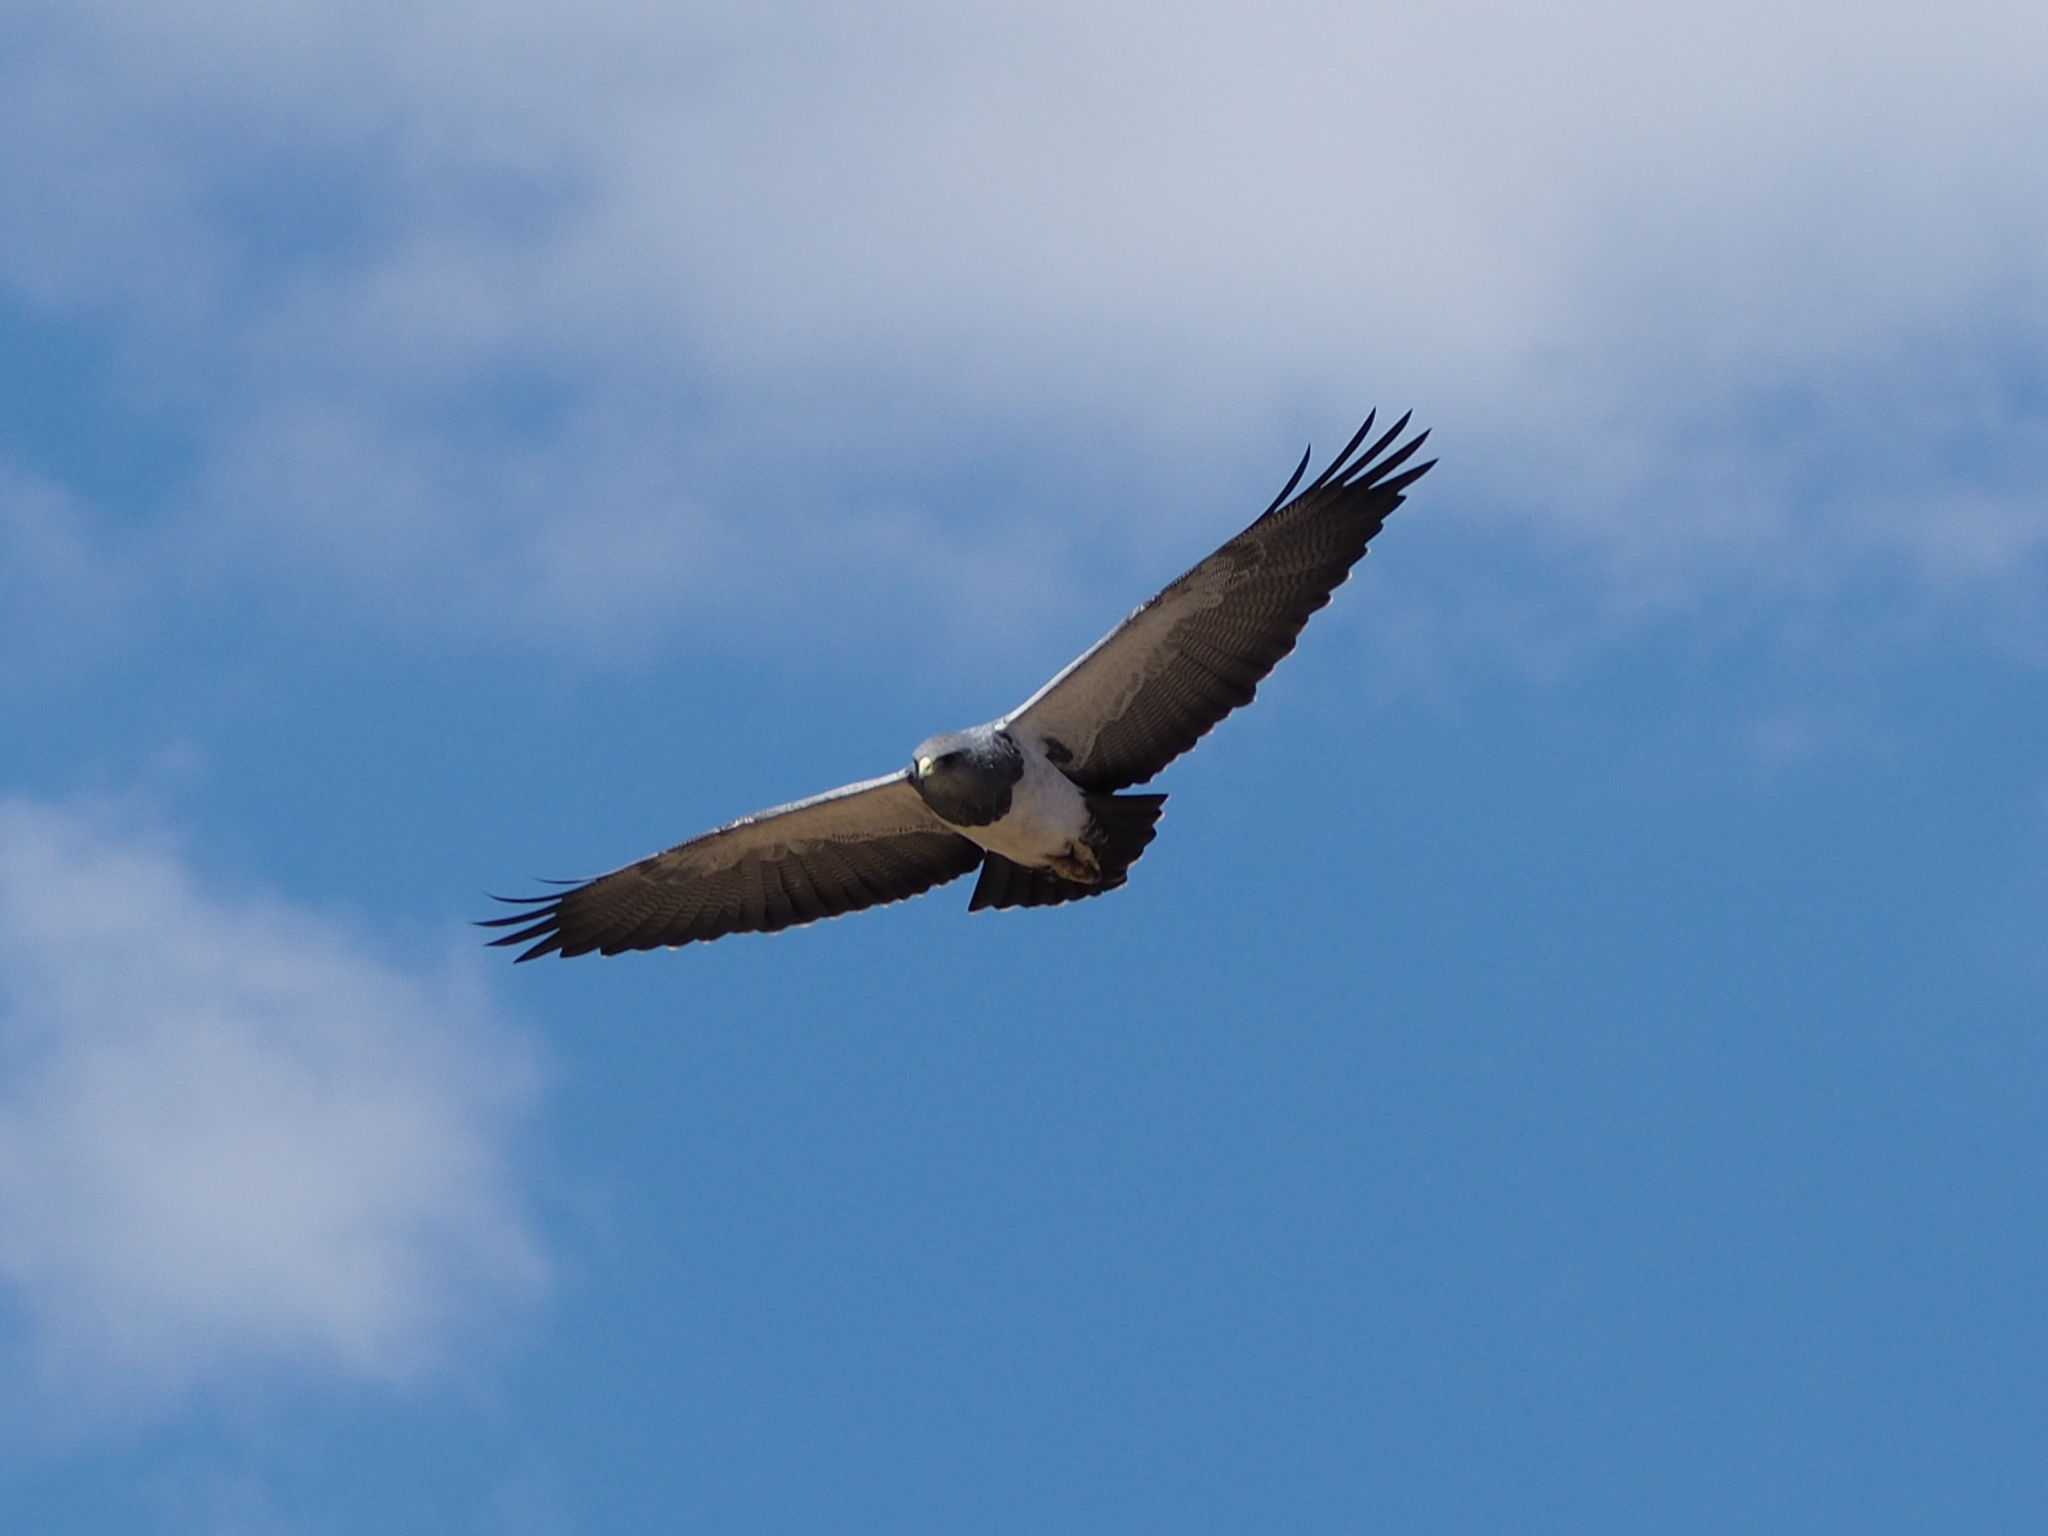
{"points": [[1046, 817]]}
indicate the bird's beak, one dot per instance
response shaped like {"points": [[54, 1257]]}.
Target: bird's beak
{"points": [[924, 767]]}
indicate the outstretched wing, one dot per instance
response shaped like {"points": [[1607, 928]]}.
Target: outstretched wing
{"points": [[1154, 685], [839, 852]]}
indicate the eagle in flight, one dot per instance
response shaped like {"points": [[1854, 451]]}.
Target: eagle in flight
{"points": [[1031, 798]]}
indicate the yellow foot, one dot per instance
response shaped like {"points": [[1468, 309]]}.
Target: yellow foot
{"points": [[1077, 864]]}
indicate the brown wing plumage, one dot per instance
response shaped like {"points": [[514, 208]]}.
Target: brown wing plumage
{"points": [[855, 847], [1154, 685]]}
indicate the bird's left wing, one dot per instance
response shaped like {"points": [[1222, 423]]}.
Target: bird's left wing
{"points": [[1154, 685], [855, 847]]}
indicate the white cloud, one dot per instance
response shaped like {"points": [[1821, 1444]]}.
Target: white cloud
{"points": [[53, 565], [230, 1140], [1658, 271]]}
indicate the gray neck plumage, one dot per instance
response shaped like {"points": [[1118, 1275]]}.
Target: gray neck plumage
{"points": [[966, 776]]}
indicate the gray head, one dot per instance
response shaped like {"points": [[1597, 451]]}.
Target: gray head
{"points": [[965, 776]]}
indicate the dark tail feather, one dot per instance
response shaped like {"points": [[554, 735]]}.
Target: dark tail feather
{"points": [[1124, 825], [1121, 827], [1004, 884]]}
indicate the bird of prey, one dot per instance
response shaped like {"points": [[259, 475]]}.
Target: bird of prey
{"points": [[1031, 798]]}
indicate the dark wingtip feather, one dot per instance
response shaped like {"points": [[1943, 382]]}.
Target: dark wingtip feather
{"points": [[538, 917], [1369, 460], [1393, 461], [547, 925], [530, 907], [1292, 481], [1357, 468], [1336, 466], [1401, 483]]}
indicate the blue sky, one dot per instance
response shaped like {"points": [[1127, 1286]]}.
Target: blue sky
{"points": [[1573, 1060]]}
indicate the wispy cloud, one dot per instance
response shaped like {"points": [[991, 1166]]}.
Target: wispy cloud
{"points": [[56, 571], [506, 308], [230, 1140]]}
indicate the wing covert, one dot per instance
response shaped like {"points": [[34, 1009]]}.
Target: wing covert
{"points": [[1157, 683], [855, 847]]}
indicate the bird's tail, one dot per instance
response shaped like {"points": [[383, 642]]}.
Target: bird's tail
{"points": [[1119, 827]]}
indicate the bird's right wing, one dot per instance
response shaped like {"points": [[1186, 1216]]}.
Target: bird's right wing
{"points": [[1154, 685], [855, 847]]}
